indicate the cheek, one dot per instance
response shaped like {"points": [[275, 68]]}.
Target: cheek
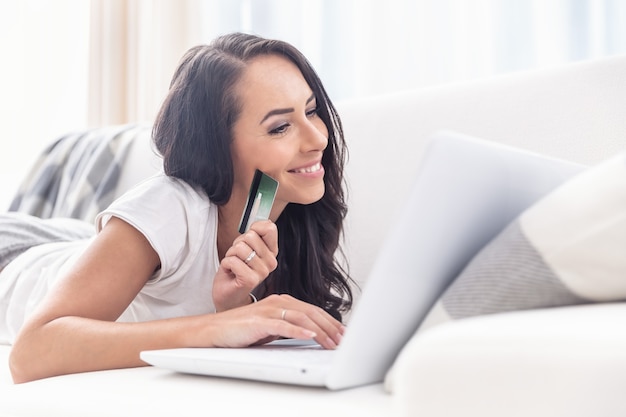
{"points": [[243, 166], [275, 159]]}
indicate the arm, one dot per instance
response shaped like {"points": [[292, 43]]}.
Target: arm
{"points": [[74, 330]]}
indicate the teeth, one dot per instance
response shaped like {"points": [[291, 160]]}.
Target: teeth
{"points": [[308, 170]]}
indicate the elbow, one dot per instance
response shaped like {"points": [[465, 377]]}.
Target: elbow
{"points": [[25, 364], [29, 358], [19, 366], [19, 372]]}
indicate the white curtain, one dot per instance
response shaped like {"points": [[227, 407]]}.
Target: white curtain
{"points": [[64, 70], [363, 47], [359, 47], [134, 48]]}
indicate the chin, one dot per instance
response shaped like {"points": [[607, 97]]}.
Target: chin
{"points": [[309, 199], [317, 198]]}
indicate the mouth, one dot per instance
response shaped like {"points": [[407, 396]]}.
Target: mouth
{"points": [[308, 169]]}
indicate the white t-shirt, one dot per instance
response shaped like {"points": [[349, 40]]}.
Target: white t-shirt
{"points": [[181, 225]]}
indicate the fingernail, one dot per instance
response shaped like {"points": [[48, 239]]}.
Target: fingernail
{"points": [[311, 334]]}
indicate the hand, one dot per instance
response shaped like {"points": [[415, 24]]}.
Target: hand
{"points": [[273, 317], [246, 264]]}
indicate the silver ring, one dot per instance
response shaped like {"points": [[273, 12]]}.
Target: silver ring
{"points": [[250, 257], [283, 314]]}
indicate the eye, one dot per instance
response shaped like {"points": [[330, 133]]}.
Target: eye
{"points": [[280, 129], [312, 112]]}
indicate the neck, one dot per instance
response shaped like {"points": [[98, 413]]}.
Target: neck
{"points": [[227, 227]]}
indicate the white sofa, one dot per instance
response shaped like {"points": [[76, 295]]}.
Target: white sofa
{"points": [[567, 361]]}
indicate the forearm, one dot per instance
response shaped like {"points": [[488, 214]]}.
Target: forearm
{"points": [[75, 344], [72, 344]]}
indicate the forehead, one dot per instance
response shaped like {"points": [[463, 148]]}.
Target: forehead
{"points": [[272, 80]]}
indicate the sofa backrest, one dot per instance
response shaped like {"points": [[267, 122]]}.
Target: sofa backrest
{"points": [[575, 112], [142, 162]]}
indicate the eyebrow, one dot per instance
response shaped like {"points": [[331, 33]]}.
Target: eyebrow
{"points": [[285, 110]]}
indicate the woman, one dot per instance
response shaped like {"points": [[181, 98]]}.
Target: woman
{"points": [[168, 267]]}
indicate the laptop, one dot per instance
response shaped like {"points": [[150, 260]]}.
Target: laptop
{"points": [[466, 191]]}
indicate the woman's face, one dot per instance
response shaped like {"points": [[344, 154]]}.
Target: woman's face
{"points": [[278, 132]]}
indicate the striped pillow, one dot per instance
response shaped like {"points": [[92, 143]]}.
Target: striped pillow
{"points": [[568, 248]]}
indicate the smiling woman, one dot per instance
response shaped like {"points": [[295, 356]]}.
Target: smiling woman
{"points": [[255, 77], [147, 281]]}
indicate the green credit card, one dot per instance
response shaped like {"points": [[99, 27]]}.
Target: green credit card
{"points": [[260, 200]]}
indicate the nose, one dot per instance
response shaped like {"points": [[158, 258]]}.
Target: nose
{"points": [[314, 136]]}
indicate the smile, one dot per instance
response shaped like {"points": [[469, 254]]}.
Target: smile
{"points": [[308, 170]]}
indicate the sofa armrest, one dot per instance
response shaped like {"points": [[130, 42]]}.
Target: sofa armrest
{"points": [[566, 361]]}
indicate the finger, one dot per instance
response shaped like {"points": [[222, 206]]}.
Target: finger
{"points": [[331, 324], [244, 276], [287, 308], [246, 243], [298, 318], [332, 327], [327, 335], [252, 261], [246, 252], [283, 328], [268, 232]]}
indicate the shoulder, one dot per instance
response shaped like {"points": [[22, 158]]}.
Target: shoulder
{"points": [[167, 187], [161, 197], [163, 208], [173, 216]]}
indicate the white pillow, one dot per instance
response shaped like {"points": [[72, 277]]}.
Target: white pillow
{"points": [[567, 248]]}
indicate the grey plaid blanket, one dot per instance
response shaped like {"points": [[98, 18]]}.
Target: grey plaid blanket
{"points": [[76, 175]]}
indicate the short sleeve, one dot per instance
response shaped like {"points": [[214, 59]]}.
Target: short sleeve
{"points": [[169, 213]]}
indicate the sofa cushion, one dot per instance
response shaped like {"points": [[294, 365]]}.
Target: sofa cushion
{"points": [[77, 175], [566, 249]]}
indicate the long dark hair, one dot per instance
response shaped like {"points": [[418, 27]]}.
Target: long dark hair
{"points": [[193, 132]]}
